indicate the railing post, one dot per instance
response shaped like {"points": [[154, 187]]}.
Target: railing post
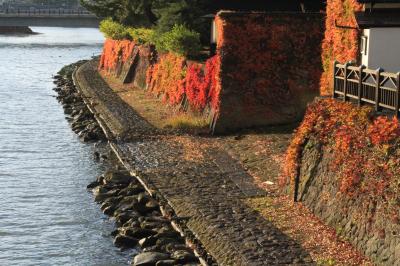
{"points": [[377, 89], [345, 82], [397, 103], [360, 76], [334, 79]]}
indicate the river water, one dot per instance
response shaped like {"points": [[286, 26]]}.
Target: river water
{"points": [[46, 215]]}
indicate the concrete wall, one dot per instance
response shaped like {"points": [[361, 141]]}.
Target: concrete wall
{"points": [[265, 71], [382, 49]]}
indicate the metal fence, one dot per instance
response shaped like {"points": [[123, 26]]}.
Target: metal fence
{"points": [[48, 12], [361, 85]]}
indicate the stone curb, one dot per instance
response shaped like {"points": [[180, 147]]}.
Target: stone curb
{"points": [[97, 107]]}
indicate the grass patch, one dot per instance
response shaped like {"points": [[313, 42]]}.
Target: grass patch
{"points": [[326, 262], [185, 122], [155, 111]]}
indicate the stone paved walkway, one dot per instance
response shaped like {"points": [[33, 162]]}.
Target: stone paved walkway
{"points": [[202, 183]]}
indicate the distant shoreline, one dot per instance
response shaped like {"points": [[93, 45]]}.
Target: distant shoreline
{"points": [[16, 30]]}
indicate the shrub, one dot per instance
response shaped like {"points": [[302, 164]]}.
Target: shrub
{"points": [[181, 41], [141, 35], [113, 30]]}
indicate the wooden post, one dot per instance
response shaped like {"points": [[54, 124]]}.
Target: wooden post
{"points": [[360, 76], [334, 79], [377, 89], [397, 103], [345, 82], [296, 187]]}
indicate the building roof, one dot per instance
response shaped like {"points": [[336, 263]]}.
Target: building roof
{"points": [[269, 5], [378, 1], [378, 19]]}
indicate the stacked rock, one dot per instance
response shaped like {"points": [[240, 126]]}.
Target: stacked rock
{"points": [[82, 120], [140, 222]]}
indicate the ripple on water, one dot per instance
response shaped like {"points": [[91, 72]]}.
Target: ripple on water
{"points": [[46, 215]]}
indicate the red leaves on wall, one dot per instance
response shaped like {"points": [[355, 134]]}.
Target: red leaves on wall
{"points": [[201, 86], [384, 130], [339, 44], [196, 87], [172, 77], [175, 79], [362, 145], [165, 78], [262, 56], [115, 51]]}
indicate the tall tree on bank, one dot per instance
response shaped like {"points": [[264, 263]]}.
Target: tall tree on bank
{"points": [[161, 14], [128, 12]]}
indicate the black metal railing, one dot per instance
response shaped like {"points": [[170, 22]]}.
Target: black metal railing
{"points": [[361, 85]]}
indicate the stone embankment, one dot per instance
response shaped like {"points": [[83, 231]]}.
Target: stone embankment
{"points": [[141, 223], [201, 185], [81, 119], [363, 220]]}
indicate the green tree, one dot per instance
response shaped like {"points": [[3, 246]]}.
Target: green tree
{"points": [[163, 13], [127, 12]]}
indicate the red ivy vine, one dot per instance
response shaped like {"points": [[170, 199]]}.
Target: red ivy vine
{"points": [[174, 79], [365, 148], [262, 55], [115, 51], [339, 44]]}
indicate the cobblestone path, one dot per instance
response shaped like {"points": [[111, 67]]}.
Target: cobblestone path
{"points": [[200, 181]]}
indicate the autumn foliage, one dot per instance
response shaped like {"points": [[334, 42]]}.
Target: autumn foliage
{"points": [[180, 82], [365, 148], [339, 44], [115, 51], [165, 78], [265, 53], [259, 63]]}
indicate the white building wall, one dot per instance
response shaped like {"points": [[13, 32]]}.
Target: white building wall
{"points": [[383, 49], [364, 55]]}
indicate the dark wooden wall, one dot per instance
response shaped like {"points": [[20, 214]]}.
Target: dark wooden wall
{"points": [[269, 5]]}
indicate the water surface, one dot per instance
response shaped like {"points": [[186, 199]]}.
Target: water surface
{"points": [[46, 215]]}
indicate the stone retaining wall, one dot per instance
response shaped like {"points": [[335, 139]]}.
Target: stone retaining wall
{"points": [[270, 67], [344, 160], [355, 219], [266, 70]]}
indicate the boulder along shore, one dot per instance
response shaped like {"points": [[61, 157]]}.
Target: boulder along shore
{"points": [[16, 30], [140, 222]]}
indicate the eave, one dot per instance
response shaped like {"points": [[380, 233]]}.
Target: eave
{"points": [[378, 1], [367, 20]]}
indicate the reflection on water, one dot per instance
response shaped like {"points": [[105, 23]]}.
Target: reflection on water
{"points": [[46, 215]]}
